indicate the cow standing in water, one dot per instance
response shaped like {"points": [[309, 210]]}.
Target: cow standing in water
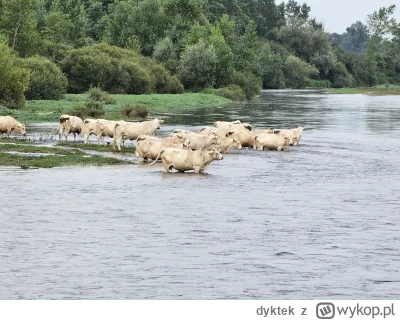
{"points": [[9, 124]]}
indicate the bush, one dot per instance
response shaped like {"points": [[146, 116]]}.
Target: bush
{"points": [[197, 68], [321, 83], [96, 94], [340, 77], [14, 80], [232, 92], [250, 84], [94, 109], [298, 72], [47, 80], [91, 108], [78, 111], [137, 111], [116, 70]]}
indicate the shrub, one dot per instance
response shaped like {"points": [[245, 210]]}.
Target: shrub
{"points": [[47, 80], [78, 111], [340, 77], [94, 109], [250, 84], [298, 72], [91, 108], [232, 92], [96, 94], [137, 111], [321, 83], [14, 80], [115, 70]]}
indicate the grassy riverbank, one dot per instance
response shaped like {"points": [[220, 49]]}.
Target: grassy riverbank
{"points": [[377, 90], [29, 155], [50, 110]]}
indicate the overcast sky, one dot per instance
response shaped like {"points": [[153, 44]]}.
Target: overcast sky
{"points": [[337, 15]]}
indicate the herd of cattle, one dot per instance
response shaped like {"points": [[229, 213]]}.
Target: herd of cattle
{"points": [[182, 150]]}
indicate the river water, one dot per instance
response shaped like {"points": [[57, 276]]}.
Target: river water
{"points": [[318, 222]]}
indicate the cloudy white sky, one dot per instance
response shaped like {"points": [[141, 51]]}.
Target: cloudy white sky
{"points": [[337, 15]]}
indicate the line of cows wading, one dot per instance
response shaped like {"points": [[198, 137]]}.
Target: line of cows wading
{"points": [[182, 150]]}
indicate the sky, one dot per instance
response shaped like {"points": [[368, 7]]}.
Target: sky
{"points": [[337, 15]]}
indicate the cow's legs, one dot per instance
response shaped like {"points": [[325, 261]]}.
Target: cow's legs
{"points": [[196, 169], [74, 137], [166, 166]]}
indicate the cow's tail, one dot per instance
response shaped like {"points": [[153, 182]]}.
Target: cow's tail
{"points": [[158, 157], [139, 151]]}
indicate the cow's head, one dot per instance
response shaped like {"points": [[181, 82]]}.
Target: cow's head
{"points": [[236, 122], [159, 122], [269, 130], [215, 154], [21, 129], [236, 144]]}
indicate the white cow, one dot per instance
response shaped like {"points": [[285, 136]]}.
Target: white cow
{"points": [[185, 160], [132, 130], [271, 141], [9, 124], [69, 124], [89, 127]]}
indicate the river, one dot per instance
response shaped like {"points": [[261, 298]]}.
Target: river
{"points": [[318, 222]]}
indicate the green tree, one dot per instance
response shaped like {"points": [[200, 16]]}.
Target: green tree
{"points": [[197, 68], [18, 22], [56, 35], [339, 76], [298, 72], [143, 20], [77, 17], [14, 80], [246, 50], [224, 69], [166, 53], [271, 69]]}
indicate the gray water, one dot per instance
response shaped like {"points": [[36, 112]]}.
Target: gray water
{"points": [[318, 222]]}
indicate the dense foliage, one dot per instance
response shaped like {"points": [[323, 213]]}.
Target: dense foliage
{"points": [[47, 80], [145, 46]]}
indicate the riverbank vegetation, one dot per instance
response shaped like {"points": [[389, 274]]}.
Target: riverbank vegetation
{"points": [[50, 110], [33, 156], [29, 155], [376, 90], [233, 49]]}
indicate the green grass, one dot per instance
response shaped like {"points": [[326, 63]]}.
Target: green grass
{"points": [[53, 157], [96, 147], [50, 110], [377, 90]]}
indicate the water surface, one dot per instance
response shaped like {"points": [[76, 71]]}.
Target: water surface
{"points": [[318, 222]]}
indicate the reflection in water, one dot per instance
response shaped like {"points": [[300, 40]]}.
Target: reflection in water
{"points": [[320, 221]]}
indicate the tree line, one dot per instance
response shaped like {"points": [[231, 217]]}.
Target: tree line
{"points": [[230, 47]]}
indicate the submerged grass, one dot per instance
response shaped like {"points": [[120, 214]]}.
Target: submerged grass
{"points": [[50, 110], [30, 155], [377, 90], [95, 147]]}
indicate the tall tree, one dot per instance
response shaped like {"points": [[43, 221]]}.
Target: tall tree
{"points": [[18, 21]]}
